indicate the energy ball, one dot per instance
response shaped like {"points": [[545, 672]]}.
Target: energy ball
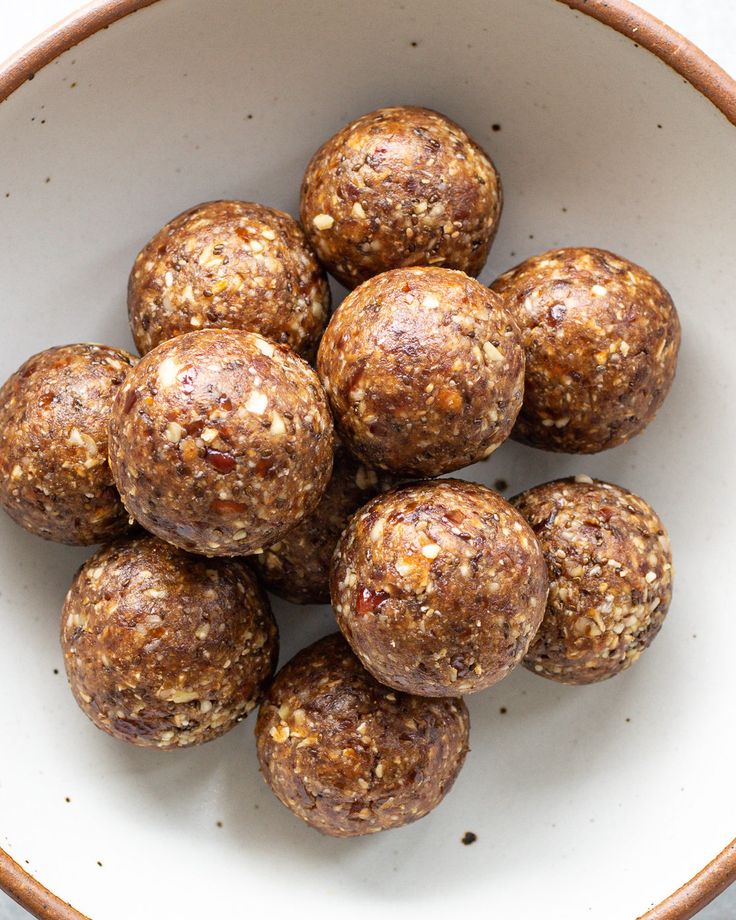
{"points": [[424, 370], [439, 587], [601, 337], [230, 265], [349, 756], [54, 476], [400, 186], [298, 566], [221, 441], [164, 649], [610, 569]]}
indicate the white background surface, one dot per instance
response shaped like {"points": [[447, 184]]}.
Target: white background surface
{"points": [[711, 25]]}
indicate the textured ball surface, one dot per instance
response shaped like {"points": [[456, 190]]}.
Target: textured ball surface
{"points": [[350, 756], [601, 337], [424, 371], [610, 569], [297, 567], [54, 475], [221, 441], [400, 186], [439, 587], [163, 649], [229, 265]]}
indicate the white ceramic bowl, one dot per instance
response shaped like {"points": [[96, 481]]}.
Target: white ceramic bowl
{"points": [[588, 802]]}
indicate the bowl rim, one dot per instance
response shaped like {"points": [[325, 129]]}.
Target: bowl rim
{"points": [[645, 30]]}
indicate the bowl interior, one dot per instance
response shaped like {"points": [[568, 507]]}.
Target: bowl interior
{"points": [[593, 801]]}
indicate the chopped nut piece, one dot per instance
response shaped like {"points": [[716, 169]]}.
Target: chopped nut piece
{"points": [[180, 696], [209, 435], [174, 432], [280, 732], [257, 402], [491, 352], [75, 438], [265, 348], [365, 478], [323, 221], [277, 424], [167, 372]]}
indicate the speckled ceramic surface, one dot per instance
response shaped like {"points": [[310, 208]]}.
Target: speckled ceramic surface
{"points": [[586, 802]]}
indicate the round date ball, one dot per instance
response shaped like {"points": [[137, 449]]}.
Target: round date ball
{"points": [[230, 265], [400, 186], [610, 569], [164, 649], [439, 587], [54, 476], [350, 756], [424, 370], [298, 566], [221, 441], [601, 337]]}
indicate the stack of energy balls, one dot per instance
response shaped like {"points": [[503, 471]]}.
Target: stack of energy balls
{"points": [[222, 460]]}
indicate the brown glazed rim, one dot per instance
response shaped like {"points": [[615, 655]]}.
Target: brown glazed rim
{"points": [[625, 17]]}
